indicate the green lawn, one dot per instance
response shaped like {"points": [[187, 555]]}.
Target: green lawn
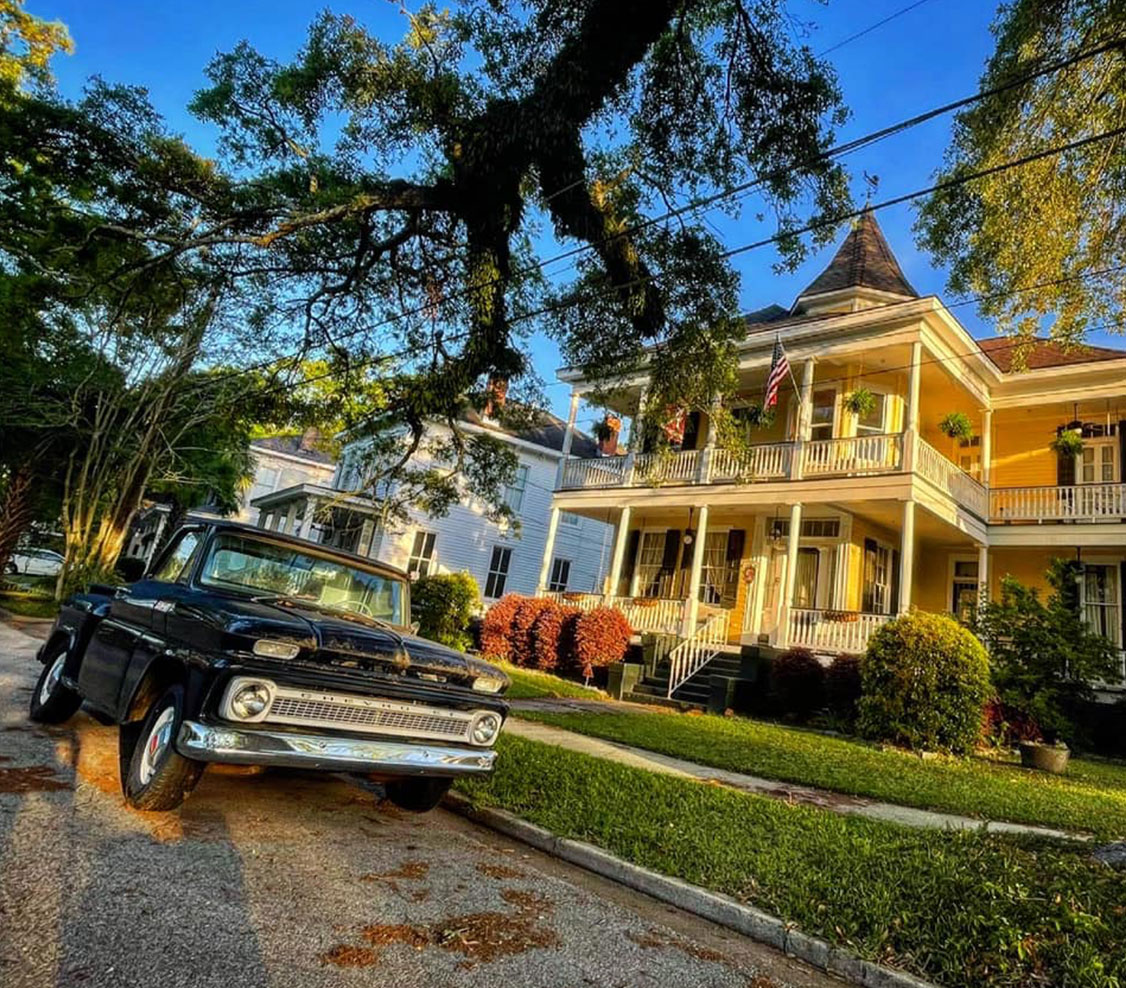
{"points": [[1091, 797], [961, 908], [28, 605], [531, 684]]}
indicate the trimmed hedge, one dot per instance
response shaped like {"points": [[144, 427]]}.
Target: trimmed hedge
{"points": [[843, 686], [799, 682], [925, 683], [538, 633], [443, 605]]}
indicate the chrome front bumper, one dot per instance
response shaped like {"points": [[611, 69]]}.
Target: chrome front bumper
{"points": [[208, 743]]}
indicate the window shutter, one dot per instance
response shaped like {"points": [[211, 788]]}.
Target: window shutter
{"points": [[672, 551], [867, 601], [736, 541], [1065, 466], [691, 431], [894, 582], [633, 540]]}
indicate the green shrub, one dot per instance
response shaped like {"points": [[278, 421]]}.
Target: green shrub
{"points": [[799, 682], [442, 605], [924, 684], [496, 629], [1044, 655], [843, 686]]}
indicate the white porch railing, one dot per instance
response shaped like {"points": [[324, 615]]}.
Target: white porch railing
{"points": [[663, 615], [1082, 502], [950, 478], [604, 471], [855, 455], [666, 468], [833, 631], [695, 652], [770, 461]]}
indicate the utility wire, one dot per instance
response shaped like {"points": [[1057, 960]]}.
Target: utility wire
{"points": [[871, 27]]}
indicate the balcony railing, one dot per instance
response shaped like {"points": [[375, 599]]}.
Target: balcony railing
{"points": [[605, 471], [1081, 502], [755, 463], [833, 631], [951, 478], [666, 468], [853, 456]]}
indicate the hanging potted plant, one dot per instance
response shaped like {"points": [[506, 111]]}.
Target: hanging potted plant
{"points": [[956, 425], [1068, 442], [860, 402], [758, 417]]}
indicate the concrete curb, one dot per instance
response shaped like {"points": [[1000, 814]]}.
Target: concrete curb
{"points": [[720, 909]]}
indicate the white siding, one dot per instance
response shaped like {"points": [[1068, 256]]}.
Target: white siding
{"points": [[465, 537], [275, 473]]}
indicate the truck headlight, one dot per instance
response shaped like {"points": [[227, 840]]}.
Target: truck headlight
{"points": [[485, 728], [270, 649], [489, 684], [248, 699]]}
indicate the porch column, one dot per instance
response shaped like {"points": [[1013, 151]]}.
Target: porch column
{"points": [[621, 536], [986, 445], [692, 611], [263, 518], [568, 438], [983, 574], [548, 549], [160, 523], [907, 556], [804, 421], [307, 519], [290, 523], [911, 420], [787, 601]]}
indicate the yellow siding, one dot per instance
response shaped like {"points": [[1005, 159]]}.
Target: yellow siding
{"points": [[1022, 456]]}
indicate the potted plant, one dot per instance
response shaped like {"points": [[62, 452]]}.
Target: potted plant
{"points": [[758, 417], [1044, 756], [956, 425], [609, 425], [1069, 442], [860, 402]]}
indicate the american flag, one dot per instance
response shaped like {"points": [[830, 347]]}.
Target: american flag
{"points": [[779, 368]]}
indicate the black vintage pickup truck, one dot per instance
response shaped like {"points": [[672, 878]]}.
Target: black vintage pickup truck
{"points": [[249, 647]]}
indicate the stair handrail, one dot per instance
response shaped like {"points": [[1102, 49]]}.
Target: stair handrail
{"points": [[697, 650]]}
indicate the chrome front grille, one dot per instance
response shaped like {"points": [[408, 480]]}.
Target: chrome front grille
{"points": [[368, 714]]}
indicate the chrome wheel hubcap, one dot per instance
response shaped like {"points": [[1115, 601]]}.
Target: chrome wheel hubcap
{"points": [[156, 744], [51, 680]]}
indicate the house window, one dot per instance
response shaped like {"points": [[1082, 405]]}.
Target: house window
{"points": [[560, 574], [498, 571], [1102, 601], [1097, 463], [713, 576], [514, 496], [811, 528], [877, 578], [823, 414], [422, 554], [569, 518], [805, 577], [964, 590], [650, 565], [265, 480], [872, 423]]}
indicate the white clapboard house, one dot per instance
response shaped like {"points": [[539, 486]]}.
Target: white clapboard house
{"points": [[501, 559]]}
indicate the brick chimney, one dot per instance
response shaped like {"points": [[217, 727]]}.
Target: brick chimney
{"points": [[496, 391], [309, 439], [609, 445]]}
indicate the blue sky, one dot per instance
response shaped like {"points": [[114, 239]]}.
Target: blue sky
{"points": [[928, 56]]}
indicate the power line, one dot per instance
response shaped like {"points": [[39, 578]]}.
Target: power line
{"points": [[864, 141], [871, 27]]}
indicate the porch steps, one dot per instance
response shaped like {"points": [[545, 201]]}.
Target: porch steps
{"points": [[694, 692]]}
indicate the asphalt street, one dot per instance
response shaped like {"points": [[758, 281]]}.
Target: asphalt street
{"points": [[278, 879]]}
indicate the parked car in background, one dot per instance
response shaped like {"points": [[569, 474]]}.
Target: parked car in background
{"points": [[253, 648], [34, 562]]}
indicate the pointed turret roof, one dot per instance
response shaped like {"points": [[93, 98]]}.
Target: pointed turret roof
{"points": [[864, 260]]}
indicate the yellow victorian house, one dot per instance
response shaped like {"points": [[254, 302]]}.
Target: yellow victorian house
{"points": [[847, 510]]}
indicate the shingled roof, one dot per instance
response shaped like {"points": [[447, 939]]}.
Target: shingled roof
{"points": [[1039, 354], [542, 429], [864, 260]]}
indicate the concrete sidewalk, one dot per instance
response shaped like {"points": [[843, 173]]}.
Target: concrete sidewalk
{"points": [[836, 802]]}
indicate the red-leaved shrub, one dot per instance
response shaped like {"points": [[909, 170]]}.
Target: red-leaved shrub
{"points": [[842, 686], [521, 640], [601, 638], [496, 629], [553, 637], [1006, 726], [799, 682]]}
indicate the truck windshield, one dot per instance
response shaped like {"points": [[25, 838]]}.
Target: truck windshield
{"points": [[238, 562]]}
